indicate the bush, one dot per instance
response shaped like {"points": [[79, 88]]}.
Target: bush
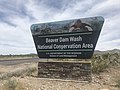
{"points": [[10, 85], [118, 81], [31, 71], [13, 84], [99, 66], [101, 62], [22, 72]]}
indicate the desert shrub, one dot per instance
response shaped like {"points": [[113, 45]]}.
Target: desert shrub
{"points": [[99, 66], [106, 56], [13, 84], [101, 62], [23, 72], [31, 71], [117, 80], [10, 85]]}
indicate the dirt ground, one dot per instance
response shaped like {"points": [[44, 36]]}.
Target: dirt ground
{"points": [[103, 81]]}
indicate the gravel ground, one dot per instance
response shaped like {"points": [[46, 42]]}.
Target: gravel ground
{"points": [[103, 81], [30, 83]]}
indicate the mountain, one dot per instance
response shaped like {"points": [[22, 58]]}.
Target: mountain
{"points": [[107, 51]]}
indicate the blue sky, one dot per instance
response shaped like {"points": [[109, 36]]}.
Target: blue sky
{"points": [[16, 17]]}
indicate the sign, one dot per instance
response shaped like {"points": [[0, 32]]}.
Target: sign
{"points": [[75, 38]]}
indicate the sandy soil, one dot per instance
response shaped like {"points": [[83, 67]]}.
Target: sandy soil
{"points": [[103, 81]]}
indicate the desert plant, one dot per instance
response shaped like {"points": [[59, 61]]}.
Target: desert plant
{"points": [[99, 66], [31, 71], [105, 56], [102, 61], [117, 80], [22, 72], [13, 84], [10, 85]]}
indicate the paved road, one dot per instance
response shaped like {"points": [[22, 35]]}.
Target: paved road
{"points": [[18, 61]]}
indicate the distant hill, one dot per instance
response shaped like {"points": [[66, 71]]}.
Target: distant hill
{"points": [[108, 51]]}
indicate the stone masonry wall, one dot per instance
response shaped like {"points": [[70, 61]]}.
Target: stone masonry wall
{"points": [[65, 70]]}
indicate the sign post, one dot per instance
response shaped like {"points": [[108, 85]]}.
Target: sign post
{"points": [[75, 38]]}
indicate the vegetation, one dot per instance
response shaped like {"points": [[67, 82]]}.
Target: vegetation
{"points": [[117, 80], [99, 66], [100, 62], [13, 84], [23, 72], [103, 61], [10, 85], [18, 56]]}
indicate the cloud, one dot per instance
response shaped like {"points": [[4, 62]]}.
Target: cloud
{"points": [[16, 17]]}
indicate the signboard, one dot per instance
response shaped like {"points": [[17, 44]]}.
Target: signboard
{"points": [[75, 38]]}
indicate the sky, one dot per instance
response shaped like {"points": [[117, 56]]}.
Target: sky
{"points": [[16, 17]]}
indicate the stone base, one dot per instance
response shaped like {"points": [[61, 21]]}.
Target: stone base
{"points": [[65, 70]]}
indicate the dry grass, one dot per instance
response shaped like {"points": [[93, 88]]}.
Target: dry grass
{"points": [[19, 70], [13, 84], [101, 62], [117, 80], [21, 76], [13, 57]]}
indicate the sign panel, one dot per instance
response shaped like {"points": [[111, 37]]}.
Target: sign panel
{"points": [[75, 38]]}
